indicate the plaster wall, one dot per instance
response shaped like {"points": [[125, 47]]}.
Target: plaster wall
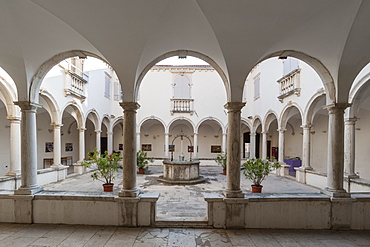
{"points": [[155, 136], [5, 143], [362, 153], [44, 134], [319, 144]]}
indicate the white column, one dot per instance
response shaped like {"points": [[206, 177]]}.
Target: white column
{"points": [[335, 162], [264, 145], [306, 156], [81, 146], [195, 154], [281, 145], [349, 148], [138, 141], [110, 142], [252, 139], [166, 143], [129, 150], [15, 146], [57, 160], [98, 139], [28, 149], [223, 145], [233, 150]]}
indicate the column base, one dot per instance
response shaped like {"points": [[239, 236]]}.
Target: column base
{"points": [[351, 176], [335, 193], [28, 190], [233, 194], [129, 193], [13, 173]]}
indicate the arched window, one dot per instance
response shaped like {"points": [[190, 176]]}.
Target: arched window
{"points": [[181, 87]]}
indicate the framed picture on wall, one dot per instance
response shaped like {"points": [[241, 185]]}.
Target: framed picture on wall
{"points": [[120, 146], [215, 149], [69, 147], [146, 147], [49, 147], [190, 149], [171, 148]]}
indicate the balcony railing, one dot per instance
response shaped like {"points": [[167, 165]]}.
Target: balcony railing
{"points": [[75, 85], [182, 106], [290, 84]]}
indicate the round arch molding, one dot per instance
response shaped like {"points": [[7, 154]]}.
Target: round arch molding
{"points": [[49, 64], [184, 53]]}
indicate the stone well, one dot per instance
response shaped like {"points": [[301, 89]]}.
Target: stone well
{"points": [[181, 172]]}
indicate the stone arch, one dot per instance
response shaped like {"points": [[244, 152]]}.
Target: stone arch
{"points": [[93, 115], [223, 129], [269, 117], [117, 121], [284, 117], [153, 118], [10, 96], [184, 53], [358, 94], [311, 107], [106, 121], [77, 114], [49, 64], [245, 122], [317, 65], [257, 120], [181, 118], [52, 108]]}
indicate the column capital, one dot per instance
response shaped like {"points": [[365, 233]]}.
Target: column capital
{"points": [[97, 131], [81, 129], [14, 119], [252, 134], [27, 106], [306, 126], [281, 130], [130, 106], [264, 132], [337, 107], [56, 125], [234, 106], [109, 133], [350, 121]]}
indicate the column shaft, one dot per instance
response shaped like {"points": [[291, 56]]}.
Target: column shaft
{"points": [[110, 142], [81, 147], [349, 148], [97, 140], [281, 145], [195, 145], [129, 150], [29, 149], [306, 155], [264, 145], [252, 145], [166, 143], [223, 145], [233, 150], [15, 146], [57, 160], [138, 141], [335, 162]]}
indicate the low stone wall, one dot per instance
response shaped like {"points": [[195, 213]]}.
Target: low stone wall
{"points": [[289, 211], [78, 208]]}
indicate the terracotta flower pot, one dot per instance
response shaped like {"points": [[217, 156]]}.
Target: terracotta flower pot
{"points": [[108, 187], [224, 171], [256, 189], [141, 171]]}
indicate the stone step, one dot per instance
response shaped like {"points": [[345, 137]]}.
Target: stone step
{"points": [[173, 223]]}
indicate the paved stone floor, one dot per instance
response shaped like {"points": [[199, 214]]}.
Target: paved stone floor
{"points": [[182, 202], [18, 235]]}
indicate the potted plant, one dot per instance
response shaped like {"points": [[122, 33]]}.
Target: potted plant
{"points": [[142, 161], [106, 166], [221, 160], [256, 170]]}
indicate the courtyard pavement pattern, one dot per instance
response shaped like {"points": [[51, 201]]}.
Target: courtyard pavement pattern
{"points": [[181, 202], [175, 202]]}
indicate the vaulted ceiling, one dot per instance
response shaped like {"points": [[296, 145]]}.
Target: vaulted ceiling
{"points": [[331, 35]]}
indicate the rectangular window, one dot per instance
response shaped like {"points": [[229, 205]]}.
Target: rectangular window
{"points": [[290, 64], [107, 87], [117, 91], [257, 87]]}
